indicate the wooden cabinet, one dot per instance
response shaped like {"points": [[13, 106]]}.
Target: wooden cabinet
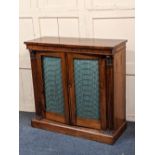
{"points": [[79, 86]]}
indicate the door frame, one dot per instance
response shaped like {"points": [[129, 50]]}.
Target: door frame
{"points": [[90, 123], [51, 115]]}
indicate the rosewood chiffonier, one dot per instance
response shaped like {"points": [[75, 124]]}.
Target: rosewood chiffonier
{"points": [[79, 86]]}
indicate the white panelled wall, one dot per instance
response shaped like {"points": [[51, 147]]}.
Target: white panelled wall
{"points": [[76, 18]]}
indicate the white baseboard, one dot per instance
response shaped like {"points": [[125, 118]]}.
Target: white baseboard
{"points": [[27, 108], [130, 117]]}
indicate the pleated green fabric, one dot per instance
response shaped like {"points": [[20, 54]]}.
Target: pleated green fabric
{"points": [[86, 75], [52, 75]]}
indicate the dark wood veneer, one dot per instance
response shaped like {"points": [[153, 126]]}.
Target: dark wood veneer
{"points": [[111, 55], [92, 134], [88, 43]]}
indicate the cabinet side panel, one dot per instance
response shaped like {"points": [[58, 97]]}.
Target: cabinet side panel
{"points": [[119, 88]]}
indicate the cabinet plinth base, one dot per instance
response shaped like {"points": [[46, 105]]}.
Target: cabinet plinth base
{"points": [[87, 133]]}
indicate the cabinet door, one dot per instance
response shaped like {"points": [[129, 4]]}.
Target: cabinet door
{"points": [[87, 91], [53, 88]]}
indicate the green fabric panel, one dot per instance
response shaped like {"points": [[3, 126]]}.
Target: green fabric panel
{"points": [[86, 74], [52, 75]]}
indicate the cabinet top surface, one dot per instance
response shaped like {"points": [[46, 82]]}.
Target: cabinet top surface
{"points": [[77, 42]]}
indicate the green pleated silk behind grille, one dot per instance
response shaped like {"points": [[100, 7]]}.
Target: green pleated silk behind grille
{"points": [[86, 75], [52, 75]]}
